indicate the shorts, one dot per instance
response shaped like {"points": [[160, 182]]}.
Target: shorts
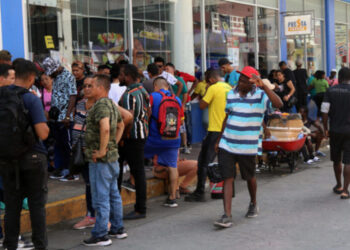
{"points": [[227, 162], [340, 144], [182, 129], [167, 157]]}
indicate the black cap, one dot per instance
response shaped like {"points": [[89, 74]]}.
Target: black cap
{"points": [[223, 61]]}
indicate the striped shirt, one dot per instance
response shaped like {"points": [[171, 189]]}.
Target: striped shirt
{"points": [[244, 123], [79, 121], [136, 99]]}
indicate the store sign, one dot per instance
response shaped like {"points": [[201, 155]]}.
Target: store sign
{"points": [[48, 3], [297, 25], [49, 42]]}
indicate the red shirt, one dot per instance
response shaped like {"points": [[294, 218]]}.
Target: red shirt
{"points": [[186, 77]]}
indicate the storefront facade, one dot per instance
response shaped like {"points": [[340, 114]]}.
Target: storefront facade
{"points": [[186, 32]]}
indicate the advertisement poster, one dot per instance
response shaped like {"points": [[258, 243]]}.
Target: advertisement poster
{"points": [[297, 25], [233, 56], [225, 27]]}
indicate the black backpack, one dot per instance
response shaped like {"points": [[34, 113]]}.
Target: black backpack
{"points": [[16, 132]]}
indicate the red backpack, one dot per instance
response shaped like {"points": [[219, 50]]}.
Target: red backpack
{"points": [[169, 117]]}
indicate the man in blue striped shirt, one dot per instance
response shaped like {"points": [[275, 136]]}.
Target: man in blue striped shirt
{"points": [[239, 140]]}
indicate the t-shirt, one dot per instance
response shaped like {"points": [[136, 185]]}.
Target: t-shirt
{"points": [[46, 97], [148, 85], [309, 81], [201, 88], [187, 77], [216, 98], [169, 77], [321, 85], [332, 82], [244, 124], [232, 78], [116, 92], [184, 88], [154, 138], [63, 87], [36, 114], [338, 99], [301, 79], [103, 108]]}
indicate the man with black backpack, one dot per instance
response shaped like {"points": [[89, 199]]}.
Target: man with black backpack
{"points": [[163, 140], [23, 163]]}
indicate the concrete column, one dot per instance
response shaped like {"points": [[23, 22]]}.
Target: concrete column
{"points": [[182, 40], [330, 35], [283, 41], [65, 32]]}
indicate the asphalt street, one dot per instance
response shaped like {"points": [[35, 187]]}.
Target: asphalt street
{"points": [[297, 211]]}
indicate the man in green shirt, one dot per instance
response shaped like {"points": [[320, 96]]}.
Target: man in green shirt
{"points": [[104, 128]]}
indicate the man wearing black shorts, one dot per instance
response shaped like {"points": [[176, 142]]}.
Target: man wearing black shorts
{"points": [[239, 140], [336, 105]]}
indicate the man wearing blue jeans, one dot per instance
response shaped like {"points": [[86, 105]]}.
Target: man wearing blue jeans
{"points": [[104, 128]]}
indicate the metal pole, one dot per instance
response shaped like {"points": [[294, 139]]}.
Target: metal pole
{"points": [[131, 32], [125, 24], [256, 38], [203, 37]]}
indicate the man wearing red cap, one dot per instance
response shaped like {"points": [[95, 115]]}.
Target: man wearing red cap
{"points": [[239, 139]]}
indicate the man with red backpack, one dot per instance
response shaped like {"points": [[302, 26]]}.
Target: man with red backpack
{"points": [[164, 130]]}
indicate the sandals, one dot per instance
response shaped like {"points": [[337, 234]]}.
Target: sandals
{"points": [[345, 195], [337, 191]]}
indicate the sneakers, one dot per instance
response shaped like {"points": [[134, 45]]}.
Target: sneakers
{"points": [[23, 243], [186, 151], [120, 234], [70, 177], [128, 186], [309, 162], [56, 175], [319, 153], [252, 211], [316, 159], [195, 197], [170, 203], [85, 223], [224, 222], [101, 241]]}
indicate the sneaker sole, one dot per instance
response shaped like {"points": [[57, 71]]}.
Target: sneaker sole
{"points": [[170, 205], [81, 228], [55, 178], [252, 216], [129, 189], [119, 236], [221, 225], [65, 180], [101, 243]]}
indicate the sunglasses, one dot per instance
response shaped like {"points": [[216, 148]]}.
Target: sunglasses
{"points": [[87, 86]]}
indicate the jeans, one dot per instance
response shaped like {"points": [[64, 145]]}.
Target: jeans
{"points": [[106, 199], [62, 146], [133, 153], [29, 181], [206, 156], [86, 177]]}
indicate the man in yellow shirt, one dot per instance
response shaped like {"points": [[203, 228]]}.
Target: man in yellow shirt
{"points": [[215, 100]]}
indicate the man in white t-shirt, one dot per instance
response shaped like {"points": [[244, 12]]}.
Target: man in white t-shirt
{"points": [[116, 91]]}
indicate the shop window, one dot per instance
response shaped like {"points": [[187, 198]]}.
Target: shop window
{"points": [[341, 45], [268, 40]]}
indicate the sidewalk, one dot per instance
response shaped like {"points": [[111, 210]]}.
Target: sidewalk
{"points": [[297, 211]]}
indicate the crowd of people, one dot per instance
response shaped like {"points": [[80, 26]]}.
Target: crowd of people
{"points": [[98, 124]]}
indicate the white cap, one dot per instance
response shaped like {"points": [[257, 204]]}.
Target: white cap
{"points": [[334, 70]]}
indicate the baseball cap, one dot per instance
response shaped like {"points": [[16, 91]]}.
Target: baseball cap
{"points": [[224, 61], [249, 71], [50, 65], [334, 70]]}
